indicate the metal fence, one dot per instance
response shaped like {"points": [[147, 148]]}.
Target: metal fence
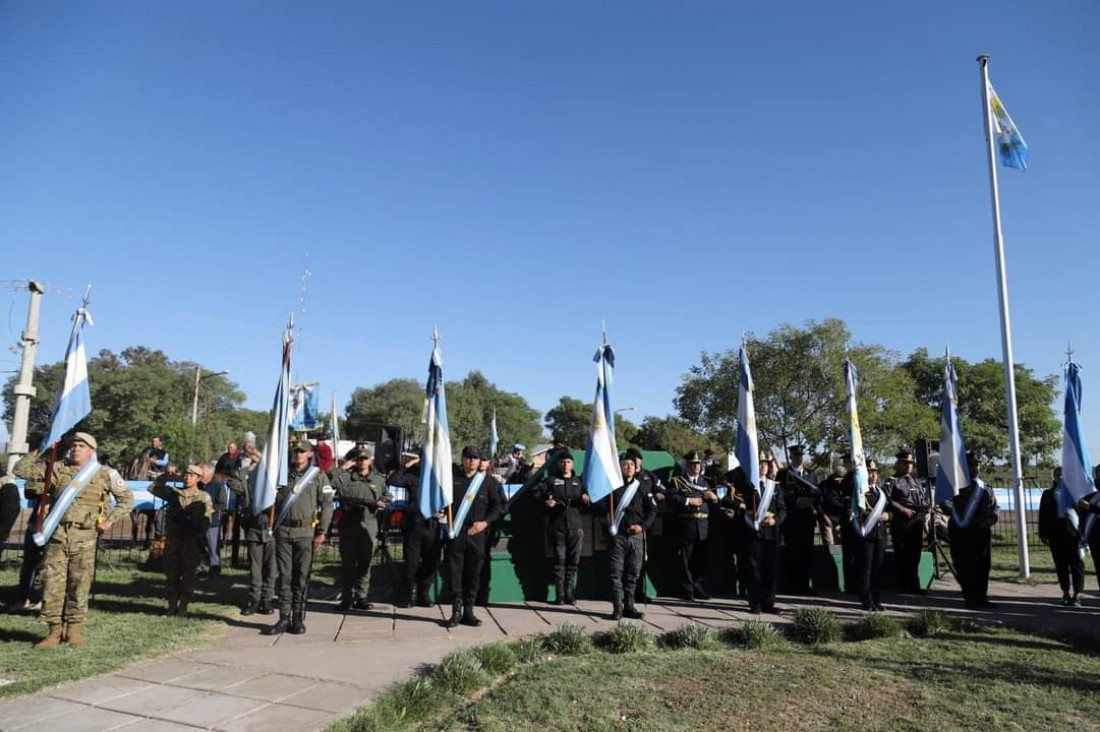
{"points": [[1005, 528]]}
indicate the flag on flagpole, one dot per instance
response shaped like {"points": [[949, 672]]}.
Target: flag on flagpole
{"points": [[855, 441], [1011, 147], [272, 470], [335, 427], [494, 438], [74, 399], [436, 462], [747, 448], [1077, 477], [602, 473], [953, 473], [304, 406]]}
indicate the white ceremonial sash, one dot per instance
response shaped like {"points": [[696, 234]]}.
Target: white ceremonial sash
{"points": [[464, 507], [971, 506], [295, 494], [620, 510], [65, 500], [864, 528], [762, 509]]}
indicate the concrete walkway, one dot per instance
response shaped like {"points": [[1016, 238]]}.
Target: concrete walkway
{"points": [[250, 681]]}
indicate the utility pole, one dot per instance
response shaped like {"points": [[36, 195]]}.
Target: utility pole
{"points": [[24, 389]]}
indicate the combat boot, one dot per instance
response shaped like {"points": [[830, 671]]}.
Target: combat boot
{"points": [[172, 609], [266, 608], [422, 596], [411, 600], [52, 639], [468, 617], [616, 610], [632, 612], [298, 624], [250, 608], [559, 594], [281, 625], [74, 635], [456, 615], [181, 610]]}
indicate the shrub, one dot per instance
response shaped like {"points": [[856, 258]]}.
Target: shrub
{"points": [[569, 640], [753, 634], [413, 699], [496, 658], [928, 623], [691, 635], [529, 650], [814, 626], [460, 672], [873, 625], [626, 638]]}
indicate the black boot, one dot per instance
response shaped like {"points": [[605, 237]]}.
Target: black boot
{"points": [[468, 617], [411, 601], [281, 625], [456, 616], [422, 595], [362, 604], [630, 611], [266, 608], [559, 594], [250, 608], [298, 624], [570, 599], [616, 610]]}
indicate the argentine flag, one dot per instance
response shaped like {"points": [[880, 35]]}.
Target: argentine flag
{"points": [[747, 447], [855, 441], [1010, 143], [494, 438], [436, 462], [74, 400], [304, 406], [953, 473], [602, 474], [335, 422], [272, 470], [1077, 478]]}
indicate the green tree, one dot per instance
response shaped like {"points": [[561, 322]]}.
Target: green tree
{"points": [[570, 421], [398, 402], [673, 435], [983, 411]]}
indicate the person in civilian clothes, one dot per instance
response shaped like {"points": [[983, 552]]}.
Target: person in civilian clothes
{"points": [[869, 550], [1064, 542], [466, 551], [627, 548]]}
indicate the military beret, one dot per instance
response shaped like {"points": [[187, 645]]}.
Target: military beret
{"points": [[86, 439], [302, 446], [471, 452]]}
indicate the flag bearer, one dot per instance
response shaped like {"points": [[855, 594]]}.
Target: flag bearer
{"points": [[303, 512], [187, 517], [1063, 539], [972, 545], [634, 511], [476, 505], [763, 542], [802, 498], [363, 497], [70, 555], [869, 550], [562, 495]]}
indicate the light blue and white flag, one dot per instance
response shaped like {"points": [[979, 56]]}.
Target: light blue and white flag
{"points": [[335, 427], [272, 470], [1077, 477], [859, 457], [602, 473], [747, 448], [74, 399], [304, 406], [436, 461], [953, 473], [1011, 147], [65, 501], [494, 438]]}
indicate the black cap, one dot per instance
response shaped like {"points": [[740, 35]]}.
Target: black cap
{"points": [[693, 457], [471, 452], [796, 447], [565, 454], [871, 465], [634, 453], [904, 455]]}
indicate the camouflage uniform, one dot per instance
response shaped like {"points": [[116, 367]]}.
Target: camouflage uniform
{"points": [[70, 555], [187, 516]]}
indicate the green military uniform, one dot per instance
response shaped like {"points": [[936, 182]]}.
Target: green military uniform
{"points": [[187, 516], [359, 495], [70, 556], [294, 539], [261, 544]]}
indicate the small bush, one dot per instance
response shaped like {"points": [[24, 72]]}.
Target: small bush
{"points": [[529, 650], [569, 640], [626, 638], [413, 699], [814, 626], [691, 635], [927, 623], [873, 625], [496, 658], [753, 634], [460, 672]]}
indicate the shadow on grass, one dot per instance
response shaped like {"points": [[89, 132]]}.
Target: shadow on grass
{"points": [[18, 636]]}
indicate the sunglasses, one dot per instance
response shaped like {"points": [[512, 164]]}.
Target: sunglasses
{"points": [[192, 472]]}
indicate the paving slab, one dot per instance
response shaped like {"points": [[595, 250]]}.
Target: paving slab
{"points": [[327, 697], [154, 700], [19, 713], [278, 717], [99, 689], [517, 621], [88, 719], [271, 687], [144, 724], [216, 678], [160, 672], [210, 711]]}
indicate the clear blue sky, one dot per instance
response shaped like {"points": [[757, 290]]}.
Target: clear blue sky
{"points": [[515, 175]]}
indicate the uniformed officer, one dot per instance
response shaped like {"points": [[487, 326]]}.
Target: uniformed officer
{"points": [[70, 555], [803, 503], [1064, 541], [763, 542], [1089, 506], [910, 501], [421, 540], [304, 506], [870, 549], [562, 495], [187, 515], [257, 535], [735, 550], [362, 493], [691, 496], [836, 504], [630, 518], [476, 505], [972, 545], [492, 535]]}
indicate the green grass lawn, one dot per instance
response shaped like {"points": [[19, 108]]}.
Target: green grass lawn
{"points": [[123, 625], [1006, 563], [992, 679]]}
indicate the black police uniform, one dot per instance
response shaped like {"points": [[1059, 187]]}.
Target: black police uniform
{"points": [[763, 549], [627, 551], [971, 547], [421, 543], [735, 531], [1063, 542], [836, 502], [465, 553], [869, 552], [803, 502], [906, 492], [693, 527], [564, 530]]}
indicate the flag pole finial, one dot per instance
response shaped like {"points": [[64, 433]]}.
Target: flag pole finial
{"points": [[435, 335], [1069, 352]]}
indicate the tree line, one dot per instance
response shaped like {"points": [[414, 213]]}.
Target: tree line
{"points": [[799, 396]]}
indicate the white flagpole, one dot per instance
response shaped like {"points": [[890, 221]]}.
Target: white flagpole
{"points": [[1006, 329]]}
